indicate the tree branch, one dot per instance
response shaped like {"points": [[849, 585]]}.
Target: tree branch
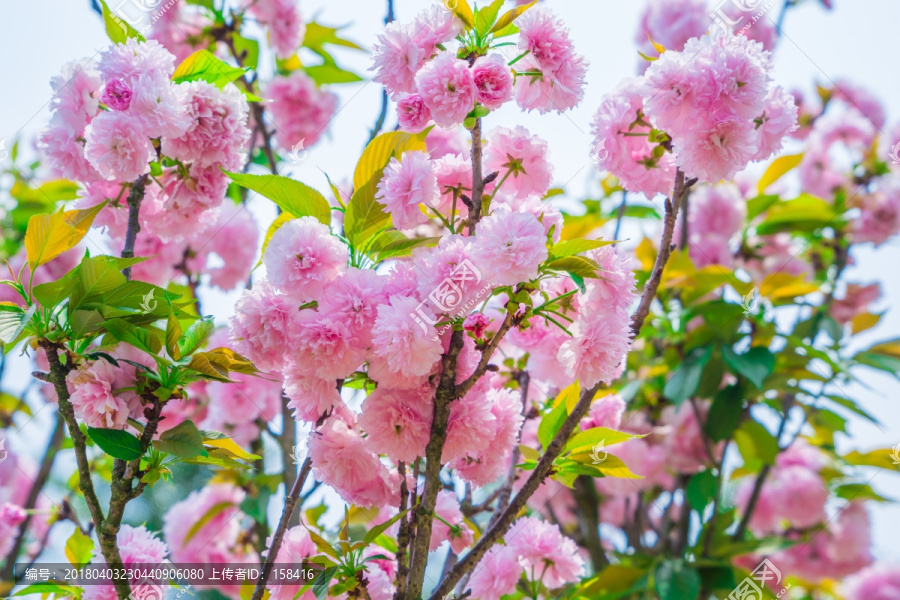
{"points": [[135, 197], [665, 251], [290, 503], [477, 178]]}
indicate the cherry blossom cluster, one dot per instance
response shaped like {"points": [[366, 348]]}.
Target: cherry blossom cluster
{"points": [[431, 83], [122, 120], [709, 110]]}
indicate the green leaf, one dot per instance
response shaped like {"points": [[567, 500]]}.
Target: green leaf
{"points": [[380, 151], [486, 17], [676, 581], [229, 446], [97, 275], [116, 28], [203, 65], [139, 338], [44, 589], [195, 336], [577, 265], [173, 332], [804, 213], [79, 549], [328, 73], [12, 319], [322, 581], [725, 413], [757, 446], [701, 490], [686, 379], [609, 466], [576, 246], [756, 364], [117, 443], [251, 47], [365, 217], [373, 533], [292, 196], [183, 440], [551, 423], [399, 247]]}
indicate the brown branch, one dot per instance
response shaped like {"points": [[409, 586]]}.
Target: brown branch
{"points": [[665, 251], [290, 503], [109, 549], [508, 323], [475, 204], [135, 197], [402, 536], [445, 394]]}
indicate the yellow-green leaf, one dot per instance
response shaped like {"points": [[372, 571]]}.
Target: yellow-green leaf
{"points": [[79, 549], [779, 167], [510, 16], [116, 28], [231, 447], [173, 333], [48, 236], [462, 10], [781, 286]]}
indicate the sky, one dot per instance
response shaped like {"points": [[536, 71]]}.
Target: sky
{"points": [[856, 41]]}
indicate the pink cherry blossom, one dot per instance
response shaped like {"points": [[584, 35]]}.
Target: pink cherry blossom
{"points": [[159, 107], [117, 148], [11, 516], [301, 111], [511, 245], [310, 397], [493, 81], [448, 89], [718, 209], [133, 58], [137, 547], [398, 422], [263, 322], [407, 344], [523, 156], [325, 346], [407, 185], [296, 547], [218, 129], [670, 23], [92, 388], [597, 350], [412, 113], [396, 58], [496, 575], [283, 21], [449, 524], [879, 582], [302, 257], [606, 412], [117, 95], [856, 301], [342, 459], [544, 551]]}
